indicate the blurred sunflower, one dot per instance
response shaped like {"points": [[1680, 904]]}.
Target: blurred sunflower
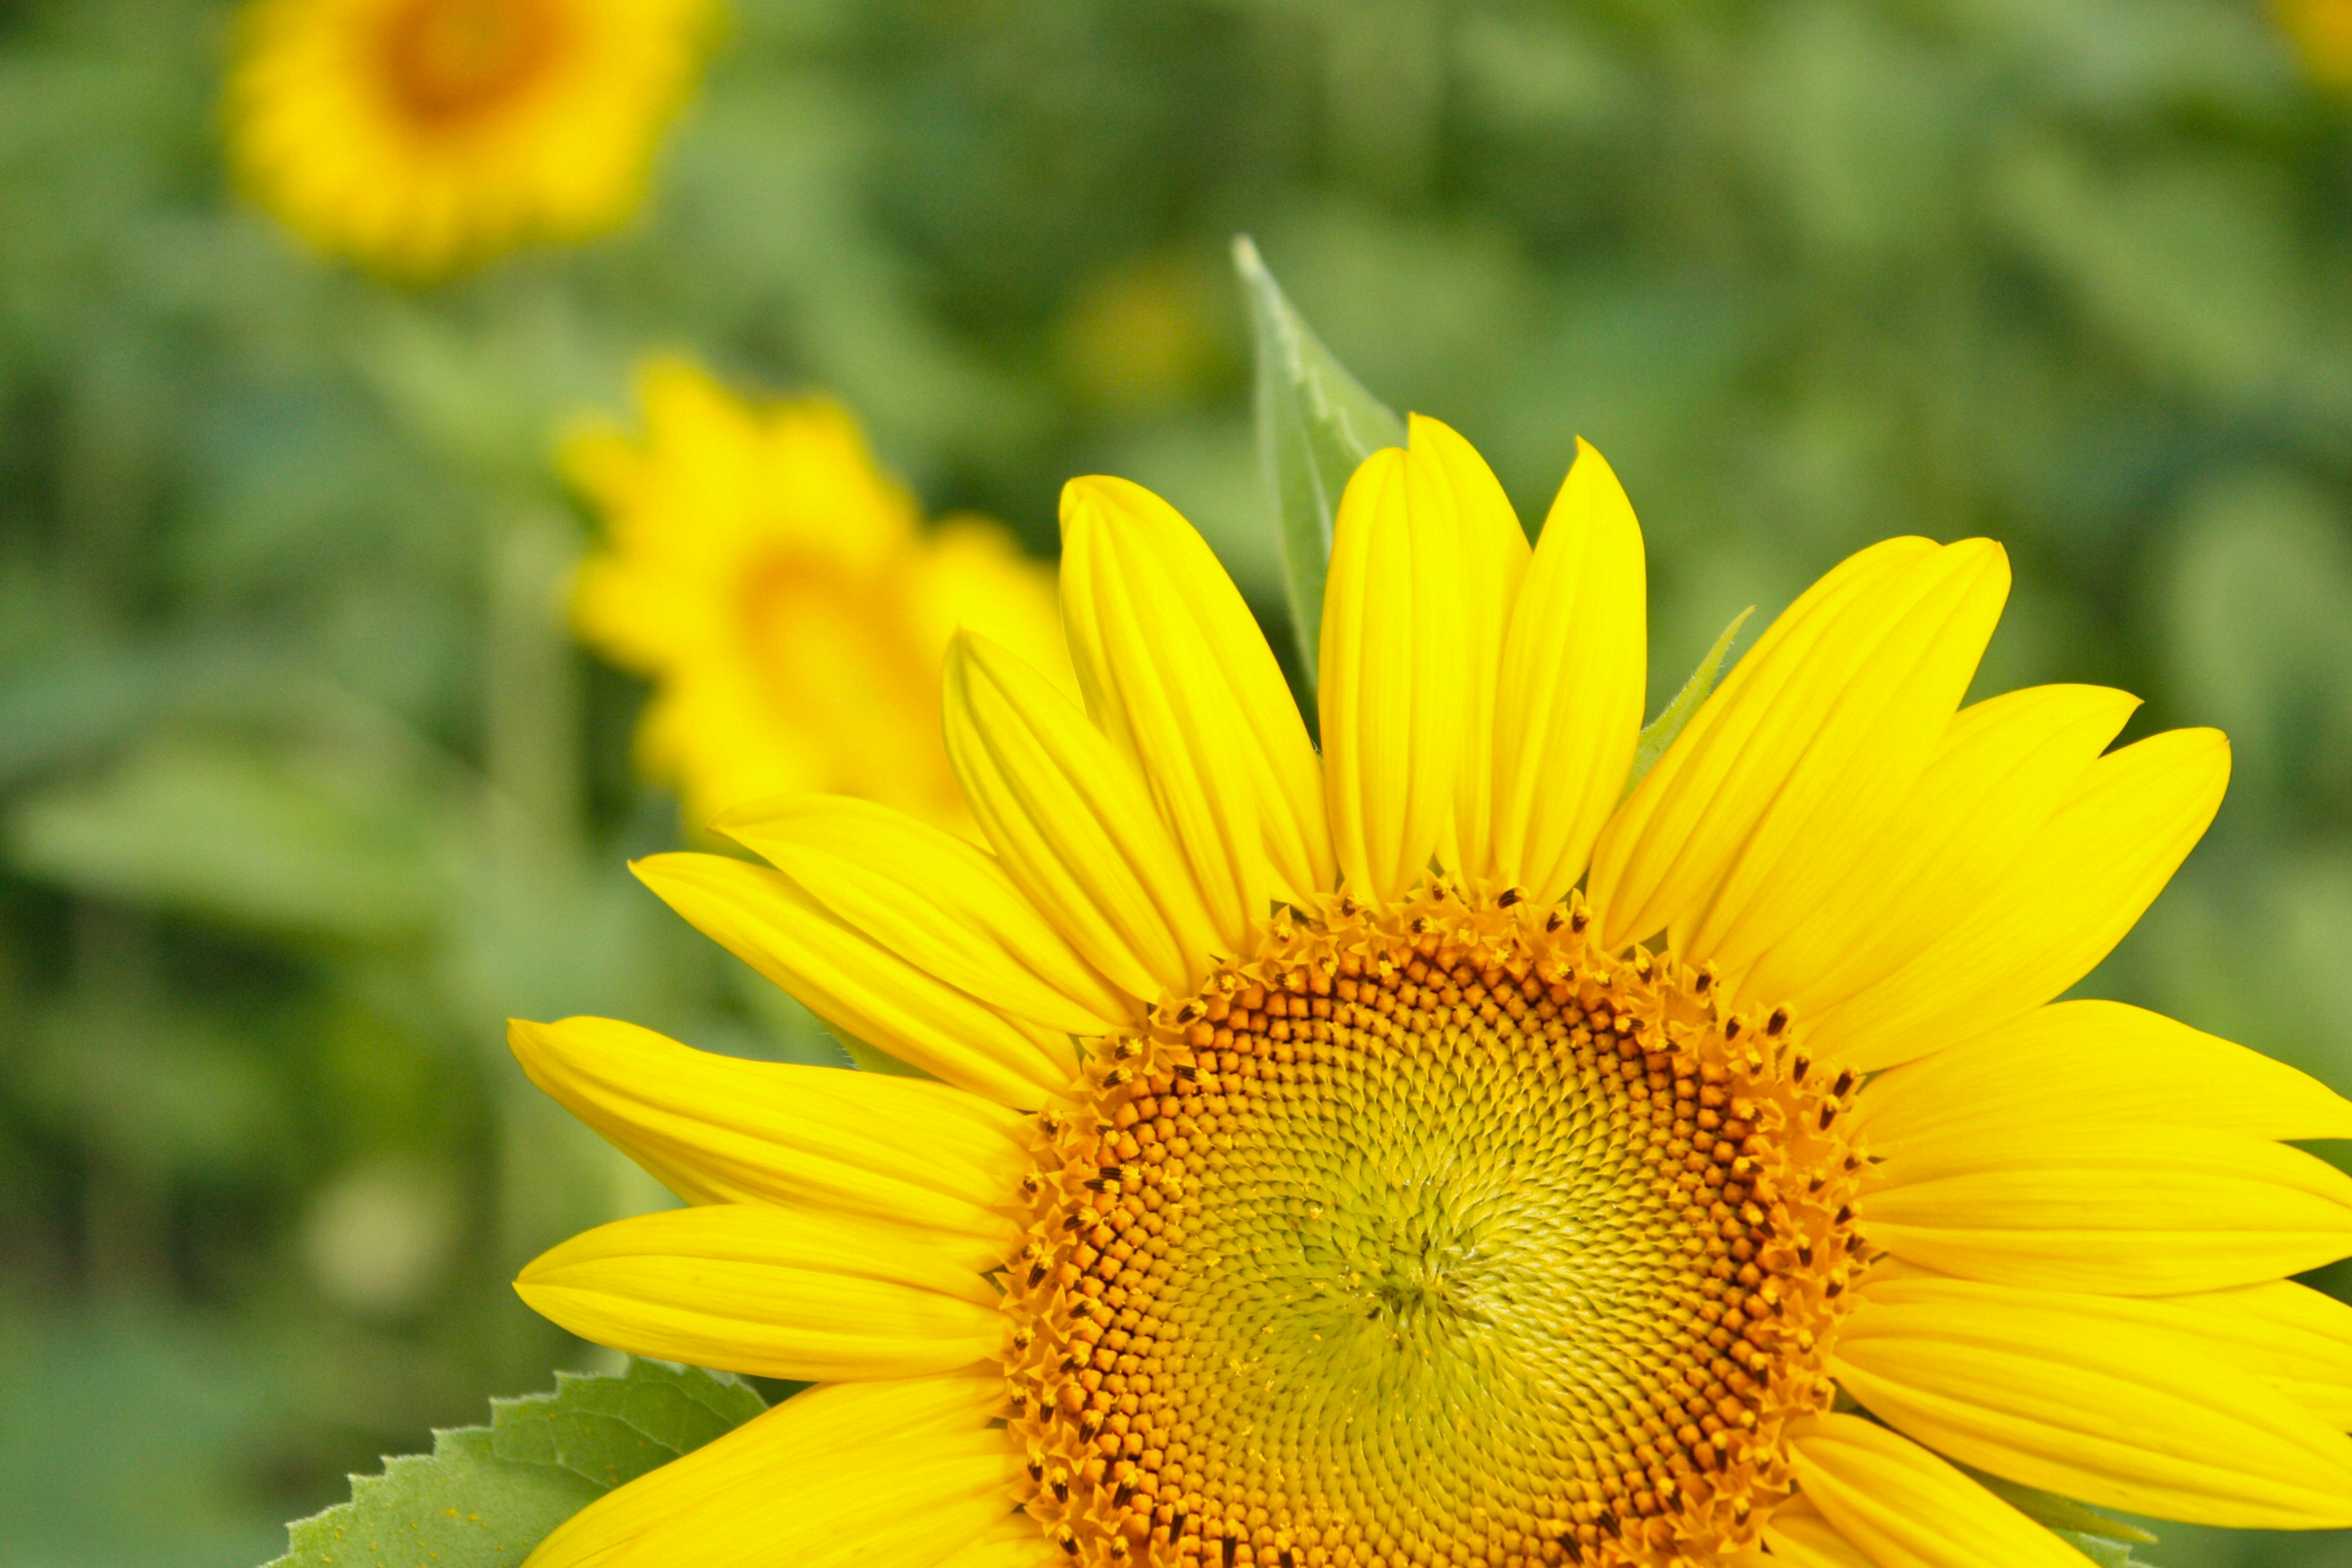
{"points": [[2321, 31], [1418, 1154], [422, 136], [780, 592]]}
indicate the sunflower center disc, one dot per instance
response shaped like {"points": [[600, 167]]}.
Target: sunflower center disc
{"points": [[452, 61], [1435, 1236]]}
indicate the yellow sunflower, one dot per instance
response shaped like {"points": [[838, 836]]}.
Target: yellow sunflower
{"points": [[777, 589], [2321, 31], [421, 136], [1418, 1154]]}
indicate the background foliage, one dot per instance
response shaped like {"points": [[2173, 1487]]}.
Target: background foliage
{"points": [[302, 791]]}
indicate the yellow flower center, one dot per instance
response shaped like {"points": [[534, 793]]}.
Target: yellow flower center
{"points": [[1430, 1236], [448, 62]]}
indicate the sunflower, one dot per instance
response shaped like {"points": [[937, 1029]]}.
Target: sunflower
{"points": [[421, 136], [775, 585], [1420, 1154], [2321, 31]]}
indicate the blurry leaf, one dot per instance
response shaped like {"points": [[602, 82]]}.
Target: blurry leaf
{"points": [[1661, 731], [485, 1496], [153, 1086], [313, 843], [2188, 262], [611, 1430], [1315, 425]]}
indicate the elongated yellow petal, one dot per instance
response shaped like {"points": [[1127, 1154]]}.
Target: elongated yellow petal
{"points": [[1153, 685], [2142, 1210], [2296, 1339], [943, 904], [1071, 820], [1493, 561], [2129, 1414], [819, 1477], [1395, 672], [2077, 1062], [794, 1293], [719, 1130], [2290, 1337], [1701, 814], [1264, 722], [2083, 882], [1018, 1542], [1800, 1537], [1883, 717], [764, 918], [2003, 767], [1902, 1507], [1568, 706]]}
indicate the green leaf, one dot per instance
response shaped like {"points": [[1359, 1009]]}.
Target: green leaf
{"points": [[2102, 1551], [461, 1507], [486, 1495], [1315, 424], [1661, 731], [2105, 1542], [611, 1430]]}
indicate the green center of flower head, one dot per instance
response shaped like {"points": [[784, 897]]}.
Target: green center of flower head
{"points": [[452, 61], [1429, 1237]]}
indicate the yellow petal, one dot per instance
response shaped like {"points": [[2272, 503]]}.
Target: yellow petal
{"points": [[1018, 1542], [1799, 1537], [2090, 1405], [765, 919], [1221, 636], [2083, 882], [795, 1293], [2003, 767], [1493, 559], [717, 1129], [1152, 685], [2143, 1210], [1835, 710], [1572, 684], [817, 1478], [1394, 671], [2290, 1337], [2296, 1339], [941, 902], [1071, 820], [1904, 1508], [2077, 1062]]}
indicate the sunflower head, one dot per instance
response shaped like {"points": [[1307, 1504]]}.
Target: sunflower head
{"points": [[780, 591], [421, 136], [2321, 32], [1431, 1151]]}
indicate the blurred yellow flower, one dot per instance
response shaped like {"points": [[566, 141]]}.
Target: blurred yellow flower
{"points": [[779, 590], [2322, 33], [422, 136]]}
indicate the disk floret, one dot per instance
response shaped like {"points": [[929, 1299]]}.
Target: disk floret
{"points": [[1427, 1235]]}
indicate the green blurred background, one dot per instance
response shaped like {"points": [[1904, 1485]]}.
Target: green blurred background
{"points": [[302, 789]]}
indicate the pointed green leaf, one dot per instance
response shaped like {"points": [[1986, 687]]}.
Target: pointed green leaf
{"points": [[459, 1507], [2099, 1549], [486, 1495], [611, 1430], [1315, 424], [2063, 1514], [1661, 731]]}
